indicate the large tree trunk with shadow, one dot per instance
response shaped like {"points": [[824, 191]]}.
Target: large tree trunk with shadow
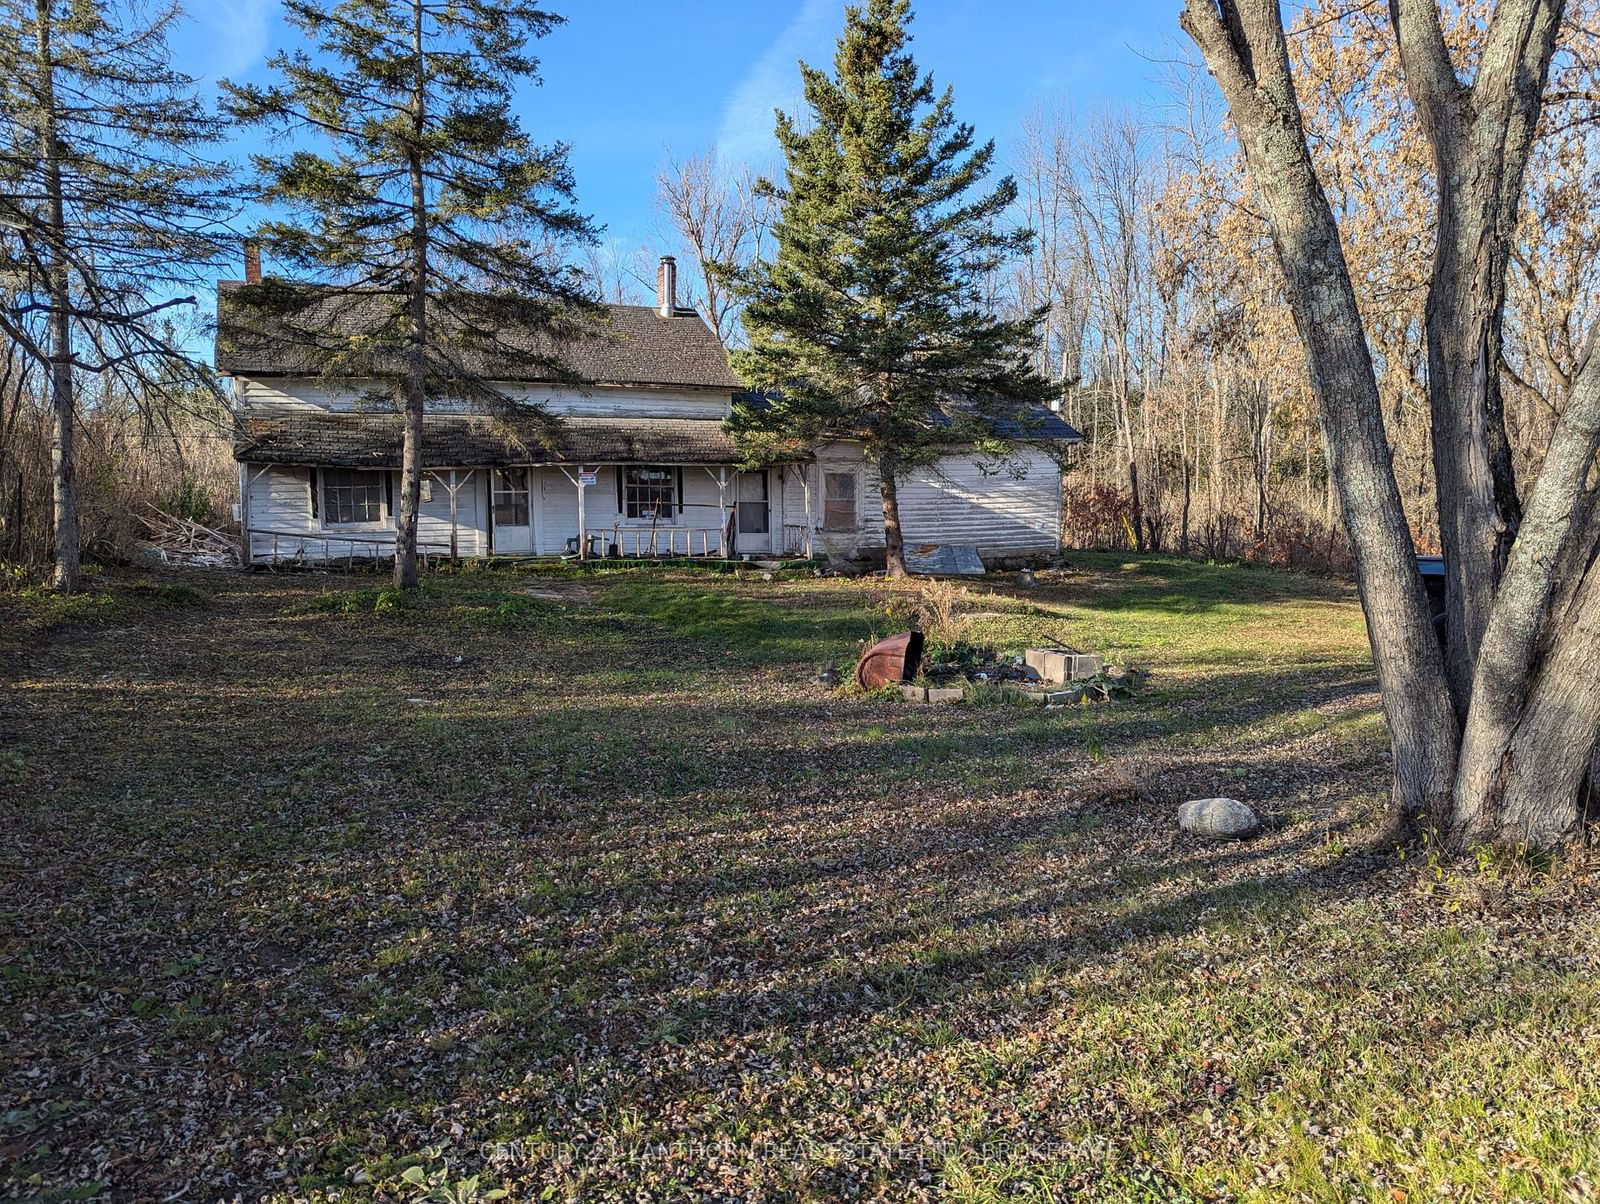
{"points": [[1244, 48], [1480, 136], [894, 544], [1523, 684]]}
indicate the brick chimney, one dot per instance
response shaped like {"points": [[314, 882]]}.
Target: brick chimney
{"points": [[667, 287], [252, 261]]}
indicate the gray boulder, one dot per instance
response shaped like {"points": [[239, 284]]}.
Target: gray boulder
{"points": [[1223, 818]]}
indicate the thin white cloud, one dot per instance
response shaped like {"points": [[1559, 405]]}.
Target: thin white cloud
{"points": [[240, 31], [774, 83]]}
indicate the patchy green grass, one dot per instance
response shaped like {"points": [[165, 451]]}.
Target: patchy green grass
{"points": [[575, 886]]}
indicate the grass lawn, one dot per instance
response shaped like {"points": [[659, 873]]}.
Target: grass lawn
{"points": [[310, 892]]}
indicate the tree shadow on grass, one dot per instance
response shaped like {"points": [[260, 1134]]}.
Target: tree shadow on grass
{"points": [[282, 859]]}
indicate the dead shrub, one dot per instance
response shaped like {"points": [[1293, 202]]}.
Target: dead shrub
{"points": [[1096, 517], [932, 606], [1114, 784], [127, 463], [939, 609]]}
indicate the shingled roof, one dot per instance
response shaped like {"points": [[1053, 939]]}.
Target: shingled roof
{"points": [[1036, 424], [636, 346], [374, 441]]}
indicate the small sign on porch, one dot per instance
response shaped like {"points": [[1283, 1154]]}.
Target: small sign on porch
{"points": [[587, 478]]}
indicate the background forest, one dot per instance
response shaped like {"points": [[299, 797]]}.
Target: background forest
{"points": [[1163, 323]]}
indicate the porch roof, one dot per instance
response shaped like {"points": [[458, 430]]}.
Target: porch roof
{"points": [[375, 440]]}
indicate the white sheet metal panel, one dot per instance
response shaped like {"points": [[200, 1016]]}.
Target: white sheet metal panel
{"points": [[943, 560]]}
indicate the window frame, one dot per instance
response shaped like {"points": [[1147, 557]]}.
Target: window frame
{"points": [[828, 475], [510, 490], [377, 484], [764, 501], [630, 503]]}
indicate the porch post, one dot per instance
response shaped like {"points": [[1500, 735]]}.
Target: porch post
{"points": [[722, 506], [805, 492], [455, 560], [583, 526]]}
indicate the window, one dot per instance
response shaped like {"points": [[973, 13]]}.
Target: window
{"points": [[839, 501], [752, 503], [649, 492], [511, 497], [352, 496]]}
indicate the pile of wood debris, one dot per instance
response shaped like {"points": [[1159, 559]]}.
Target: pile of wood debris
{"points": [[182, 541]]}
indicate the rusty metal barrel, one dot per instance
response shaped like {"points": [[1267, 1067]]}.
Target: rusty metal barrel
{"points": [[889, 661]]}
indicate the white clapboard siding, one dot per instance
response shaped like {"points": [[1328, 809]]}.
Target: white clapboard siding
{"points": [[1001, 513], [279, 499], [287, 395], [433, 518], [558, 502], [279, 515]]}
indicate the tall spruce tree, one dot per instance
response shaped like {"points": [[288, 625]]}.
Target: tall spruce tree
{"points": [[869, 321], [109, 209], [426, 209]]}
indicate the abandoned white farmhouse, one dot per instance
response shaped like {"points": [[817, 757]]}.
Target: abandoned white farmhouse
{"points": [[641, 466]]}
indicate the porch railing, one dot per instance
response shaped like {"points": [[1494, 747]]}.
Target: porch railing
{"points": [[795, 538], [263, 545], [655, 543]]}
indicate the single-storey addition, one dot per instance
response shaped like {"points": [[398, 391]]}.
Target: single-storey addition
{"points": [[639, 464]]}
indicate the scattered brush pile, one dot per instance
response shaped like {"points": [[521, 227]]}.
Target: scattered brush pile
{"points": [[185, 542], [955, 666], [976, 671]]}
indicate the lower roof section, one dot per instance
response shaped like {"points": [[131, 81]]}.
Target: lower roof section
{"points": [[375, 441]]}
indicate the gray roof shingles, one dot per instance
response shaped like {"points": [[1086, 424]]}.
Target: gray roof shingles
{"points": [[636, 346], [374, 441], [1037, 425]]}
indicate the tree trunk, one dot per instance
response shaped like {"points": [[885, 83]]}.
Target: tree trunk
{"points": [[1480, 137], [1135, 504], [894, 547], [416, 382], [1530, 730], [1188, 489], [1526, 791], [1244, 47], [1219, 420], [62, 399]]}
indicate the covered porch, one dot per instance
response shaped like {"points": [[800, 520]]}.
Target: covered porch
{"points": [[636, 510], [325, 487]]}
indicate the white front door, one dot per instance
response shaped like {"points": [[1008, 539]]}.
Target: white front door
{"points": [[755, 513], [512, 511]]}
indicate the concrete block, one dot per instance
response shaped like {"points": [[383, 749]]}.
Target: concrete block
{"points": [[946, 694], [1064, 697], [1037, 696], [1049, 663], [1086, 665], [914, 693]]}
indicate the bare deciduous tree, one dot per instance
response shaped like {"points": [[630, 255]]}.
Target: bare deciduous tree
{"points": [[1530, 637], [721, 220]]}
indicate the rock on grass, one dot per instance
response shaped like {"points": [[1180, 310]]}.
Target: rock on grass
{"points": [[1219, 818]]}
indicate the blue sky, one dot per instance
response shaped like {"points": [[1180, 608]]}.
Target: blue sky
{"points": [[627, 80]]}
